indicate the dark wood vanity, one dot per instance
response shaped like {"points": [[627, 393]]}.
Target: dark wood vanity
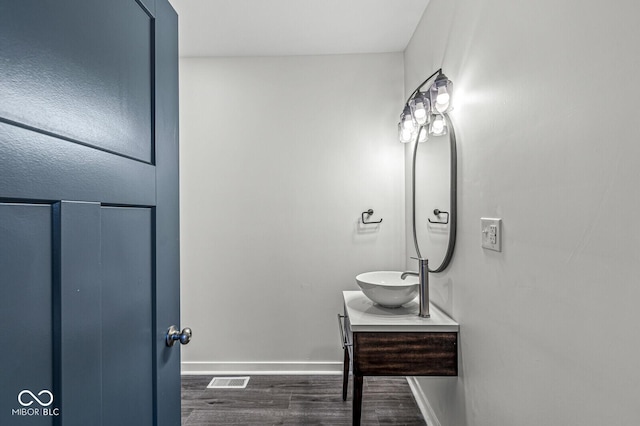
{"points": [[379, 341]]}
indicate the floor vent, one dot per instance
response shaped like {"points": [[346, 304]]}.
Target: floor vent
{"points": [[229, 382]]}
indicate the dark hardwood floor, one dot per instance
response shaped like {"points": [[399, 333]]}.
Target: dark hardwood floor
{"points": [[297, 400]]}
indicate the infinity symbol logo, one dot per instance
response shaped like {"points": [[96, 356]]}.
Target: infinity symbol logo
{"points": [[35, 398]]}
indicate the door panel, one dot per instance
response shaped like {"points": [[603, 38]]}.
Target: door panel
{"points": [[81, 70], [77, 312], [26, 282], [54, 169], [127, 338]]}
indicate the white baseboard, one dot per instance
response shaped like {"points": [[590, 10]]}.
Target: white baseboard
{"points": [[423, 402], [283, 368]]}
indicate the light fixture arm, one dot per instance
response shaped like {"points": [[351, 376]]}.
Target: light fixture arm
{"points": [[438, 72]]}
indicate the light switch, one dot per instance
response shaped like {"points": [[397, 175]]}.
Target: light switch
{"points": [[491, 233]]}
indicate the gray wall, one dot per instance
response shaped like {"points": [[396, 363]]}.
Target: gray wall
{"points": [[546, 100], [279, 156]]}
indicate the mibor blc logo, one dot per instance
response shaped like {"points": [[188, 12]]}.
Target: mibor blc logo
{"points": [[35, 404]]}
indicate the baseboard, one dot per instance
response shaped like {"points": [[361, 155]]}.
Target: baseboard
{"points": [[282, 368], [423, 402]]}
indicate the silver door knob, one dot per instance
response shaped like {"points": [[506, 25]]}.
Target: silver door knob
{"points": [[174, 334]]}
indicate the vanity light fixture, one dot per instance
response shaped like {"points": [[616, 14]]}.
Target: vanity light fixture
{"points": [[426, 108]]}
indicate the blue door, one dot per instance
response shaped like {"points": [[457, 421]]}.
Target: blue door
{"points": [[89, 236]]}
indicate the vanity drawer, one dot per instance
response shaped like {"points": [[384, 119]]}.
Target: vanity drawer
{"points": [[405, 354]]}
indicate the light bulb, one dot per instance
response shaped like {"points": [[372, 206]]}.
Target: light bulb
{"points": [[443, 96], [407, 123], [420, 107], [420, 115]]}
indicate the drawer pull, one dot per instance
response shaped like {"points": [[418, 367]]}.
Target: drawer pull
{"points": [[343, 341]]}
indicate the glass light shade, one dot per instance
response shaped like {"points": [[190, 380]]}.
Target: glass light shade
{"points": [[408, 123], [438, 125], [420, 108], [422, 134], [407, 126], [407, 119], [404, 135], [440, 93]]}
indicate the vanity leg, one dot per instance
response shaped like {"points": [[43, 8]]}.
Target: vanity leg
{"points": [[345, 374], [357, 399]]}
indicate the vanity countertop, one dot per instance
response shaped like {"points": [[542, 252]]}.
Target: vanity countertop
{"points": [[365, 316]]}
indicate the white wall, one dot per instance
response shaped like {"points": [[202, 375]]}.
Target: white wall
{"points": [[547, 119], [279, 156]]}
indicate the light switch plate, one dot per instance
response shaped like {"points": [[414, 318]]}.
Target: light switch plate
{"points": [[491, 233]]}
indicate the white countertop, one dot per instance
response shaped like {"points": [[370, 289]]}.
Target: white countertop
{"points": [[364, 315]]}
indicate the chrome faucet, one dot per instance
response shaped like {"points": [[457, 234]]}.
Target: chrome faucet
{"points": [[423, 279]]}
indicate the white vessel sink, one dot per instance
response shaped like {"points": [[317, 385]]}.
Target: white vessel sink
{"points": [[387, 289]]}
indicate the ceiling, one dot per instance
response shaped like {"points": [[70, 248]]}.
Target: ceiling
{"points": [[295, 27]]}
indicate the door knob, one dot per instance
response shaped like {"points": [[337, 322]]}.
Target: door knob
{"points": [[173, 334]]}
